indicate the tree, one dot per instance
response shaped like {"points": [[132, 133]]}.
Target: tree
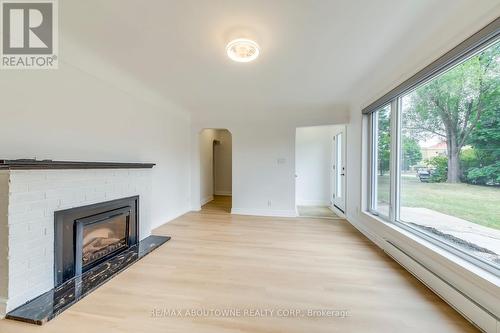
{"points": [[411, 152], [454, 104], [485, 139], [384, 140], [484, 169]]}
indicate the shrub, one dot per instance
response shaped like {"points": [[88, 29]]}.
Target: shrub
{"points": [[487, 175], [440, 169], [468, 159]]}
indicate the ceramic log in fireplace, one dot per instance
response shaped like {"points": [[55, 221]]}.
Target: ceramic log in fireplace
{"points": [[89, 235]]}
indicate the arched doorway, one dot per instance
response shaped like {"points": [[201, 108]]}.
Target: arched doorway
{"points": [[216, 169]]}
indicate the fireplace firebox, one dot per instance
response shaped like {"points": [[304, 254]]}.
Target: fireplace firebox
{"points": [[87, 236]]}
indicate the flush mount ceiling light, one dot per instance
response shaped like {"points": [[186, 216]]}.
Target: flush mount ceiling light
{"points": [[242, 50]]}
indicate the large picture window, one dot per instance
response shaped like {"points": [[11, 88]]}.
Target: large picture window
{"points": [[444, 183]]}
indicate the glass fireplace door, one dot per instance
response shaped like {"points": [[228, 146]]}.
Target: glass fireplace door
{"points": [[98, 237]]}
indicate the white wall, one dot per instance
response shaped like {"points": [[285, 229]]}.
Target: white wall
{"points": [[67, 114], [4, 241], [313, 165], [223, 154], [263, 158], [206, 139]]}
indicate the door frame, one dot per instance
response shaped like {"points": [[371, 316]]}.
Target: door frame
{"points": [[339, 172]]}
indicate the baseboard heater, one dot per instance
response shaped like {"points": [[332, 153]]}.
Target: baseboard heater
{"points": [[474, 312]]}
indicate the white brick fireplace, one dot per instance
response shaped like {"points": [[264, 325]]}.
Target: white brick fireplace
{"points": [[28, 200]]}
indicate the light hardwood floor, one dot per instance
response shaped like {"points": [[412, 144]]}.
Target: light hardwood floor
{"points": [[317, 212], [219, 261]]}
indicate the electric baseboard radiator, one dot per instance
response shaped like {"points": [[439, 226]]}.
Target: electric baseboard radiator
{"points": [[474, 312]]}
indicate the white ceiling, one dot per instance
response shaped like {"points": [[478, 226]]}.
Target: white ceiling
{"points": [[313, 53]]}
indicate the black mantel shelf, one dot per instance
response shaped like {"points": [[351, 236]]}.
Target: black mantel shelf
{"points": [[27, 164]]}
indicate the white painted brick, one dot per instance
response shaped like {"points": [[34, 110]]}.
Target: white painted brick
{"points": [[18, 231], [19, 208], [26, 217], [27, 176], [17, 286], [18, 187], [20, 248], [71, 198], [16, 209], [42, 186], [95, 196], [18, 268], [27, 197]]}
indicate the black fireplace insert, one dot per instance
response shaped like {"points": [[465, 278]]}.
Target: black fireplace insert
{"points": [[89, 235]]}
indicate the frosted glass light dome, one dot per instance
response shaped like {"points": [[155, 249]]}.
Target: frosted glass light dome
{"points": [[242, 50]]}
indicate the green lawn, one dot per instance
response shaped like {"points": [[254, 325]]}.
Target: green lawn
{"points": [[477, 204]]}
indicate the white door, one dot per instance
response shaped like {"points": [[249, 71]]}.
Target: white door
{"points": [[339, 171]]}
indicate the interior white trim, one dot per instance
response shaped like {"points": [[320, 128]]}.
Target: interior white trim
{"points": [[206, 200], [264, 212], [223, 193], [313, 203], [169, 219]]}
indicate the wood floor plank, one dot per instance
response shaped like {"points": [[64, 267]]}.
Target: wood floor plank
{"points": [[220, 261]]}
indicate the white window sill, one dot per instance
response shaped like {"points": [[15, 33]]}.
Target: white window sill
{"points": [[439, 252]]}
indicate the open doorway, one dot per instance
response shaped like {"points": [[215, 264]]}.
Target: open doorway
{"points": [[320, 172], [216, 169]]}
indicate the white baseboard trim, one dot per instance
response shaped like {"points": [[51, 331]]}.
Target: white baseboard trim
{"points": [[466, 306], [313, 203], [224, 193], [206, 200], [169, 218], [264, 212], [374, 238]]}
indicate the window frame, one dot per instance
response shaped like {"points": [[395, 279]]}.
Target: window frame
{"points": [[474, 44], [373, 159], [372, 142], [395, 165]]}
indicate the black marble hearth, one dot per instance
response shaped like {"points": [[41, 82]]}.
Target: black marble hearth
{"points": [[50, 304]]}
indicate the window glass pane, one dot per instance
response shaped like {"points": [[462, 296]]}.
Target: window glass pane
{"points": [[381, 158], [450, 156]]}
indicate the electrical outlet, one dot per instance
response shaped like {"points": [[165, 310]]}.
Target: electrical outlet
{"points": [[281, 160]]}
